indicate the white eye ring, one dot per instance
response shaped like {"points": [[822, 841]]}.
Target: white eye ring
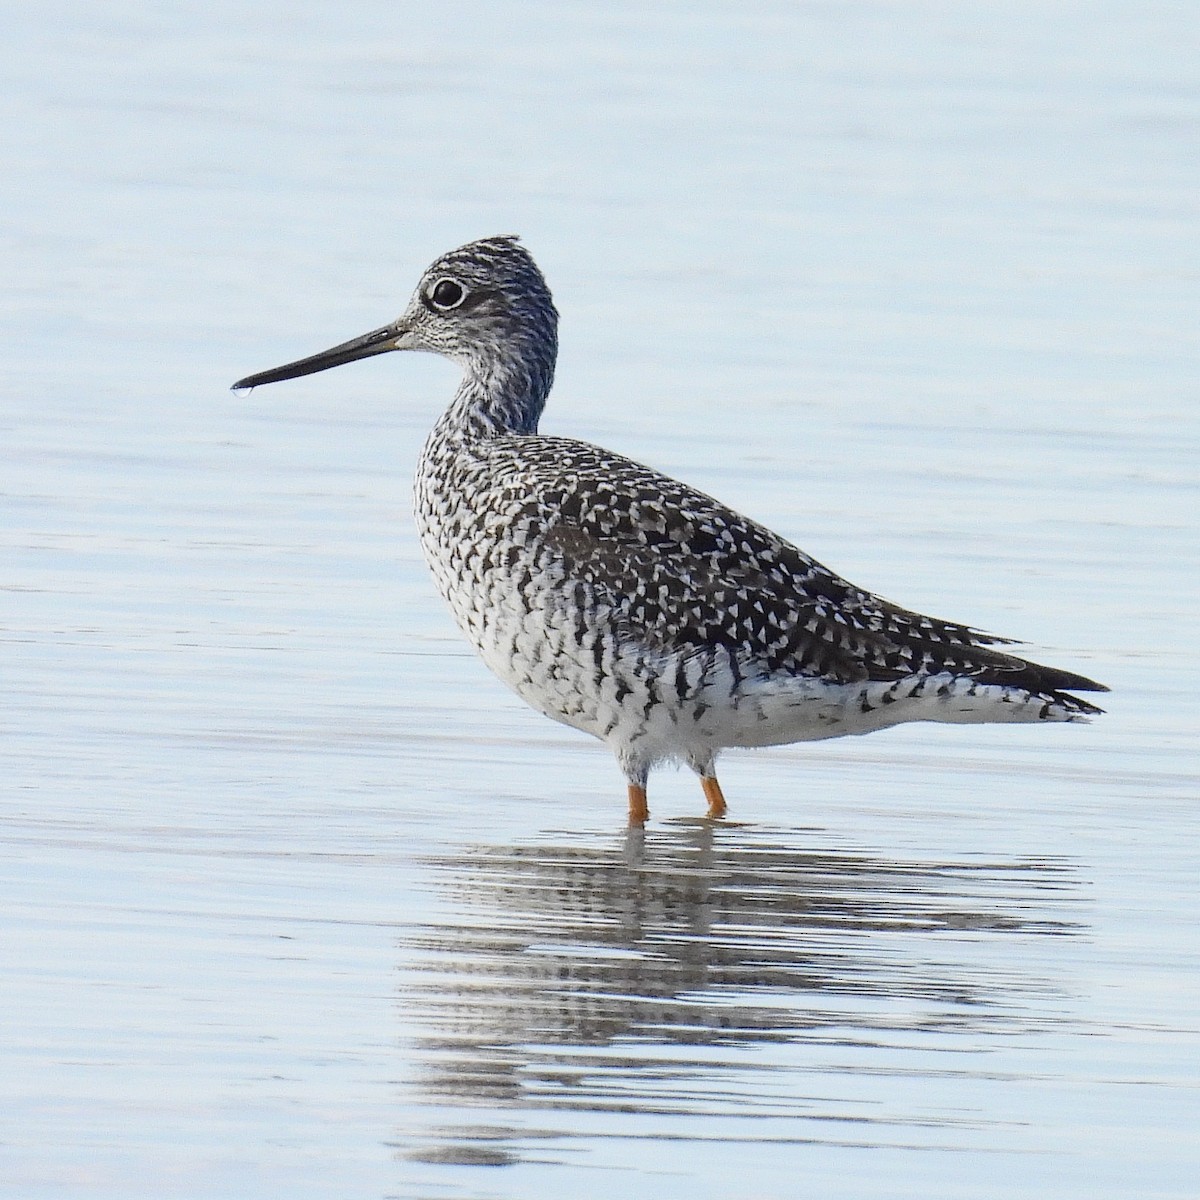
{"points": [[446, 294]]}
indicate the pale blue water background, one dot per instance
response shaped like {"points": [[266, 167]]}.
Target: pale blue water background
{"points": [[297, 900]]}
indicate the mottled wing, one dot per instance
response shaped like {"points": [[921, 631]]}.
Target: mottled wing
{"points": [[679, 571]]}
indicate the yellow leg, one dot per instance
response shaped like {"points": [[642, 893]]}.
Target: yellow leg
{"points": [[714, 796], [638, 808]]}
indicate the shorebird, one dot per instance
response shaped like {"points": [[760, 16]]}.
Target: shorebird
{"points": [[631, 606]]}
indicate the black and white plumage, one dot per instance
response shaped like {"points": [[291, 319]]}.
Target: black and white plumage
{"points": [[631, 606]]}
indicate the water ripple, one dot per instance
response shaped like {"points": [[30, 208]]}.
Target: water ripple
{"points": [[716, 971]]}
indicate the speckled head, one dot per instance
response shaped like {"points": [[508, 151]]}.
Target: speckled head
{"points": [[478, 300], [484, 305]]}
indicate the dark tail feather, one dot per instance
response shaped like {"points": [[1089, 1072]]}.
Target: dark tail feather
{"points": [[1067, 681], [1075, 705], [995, 666], [1046, 681]]}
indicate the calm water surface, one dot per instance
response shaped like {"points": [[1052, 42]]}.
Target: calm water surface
{"points": [[297, 900]]}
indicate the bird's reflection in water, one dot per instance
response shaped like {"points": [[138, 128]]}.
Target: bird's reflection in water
{"points": [[645, 974]]}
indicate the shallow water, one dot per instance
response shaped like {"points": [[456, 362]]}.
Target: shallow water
{"points": [[298, 901]]}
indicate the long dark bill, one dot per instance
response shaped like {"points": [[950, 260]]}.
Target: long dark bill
{"points": [[378, 341]]}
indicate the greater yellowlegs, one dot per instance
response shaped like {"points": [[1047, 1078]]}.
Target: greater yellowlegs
{"points": [[631, 606]]}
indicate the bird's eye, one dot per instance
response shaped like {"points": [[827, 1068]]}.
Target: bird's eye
{"points": [[447, 294]]}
